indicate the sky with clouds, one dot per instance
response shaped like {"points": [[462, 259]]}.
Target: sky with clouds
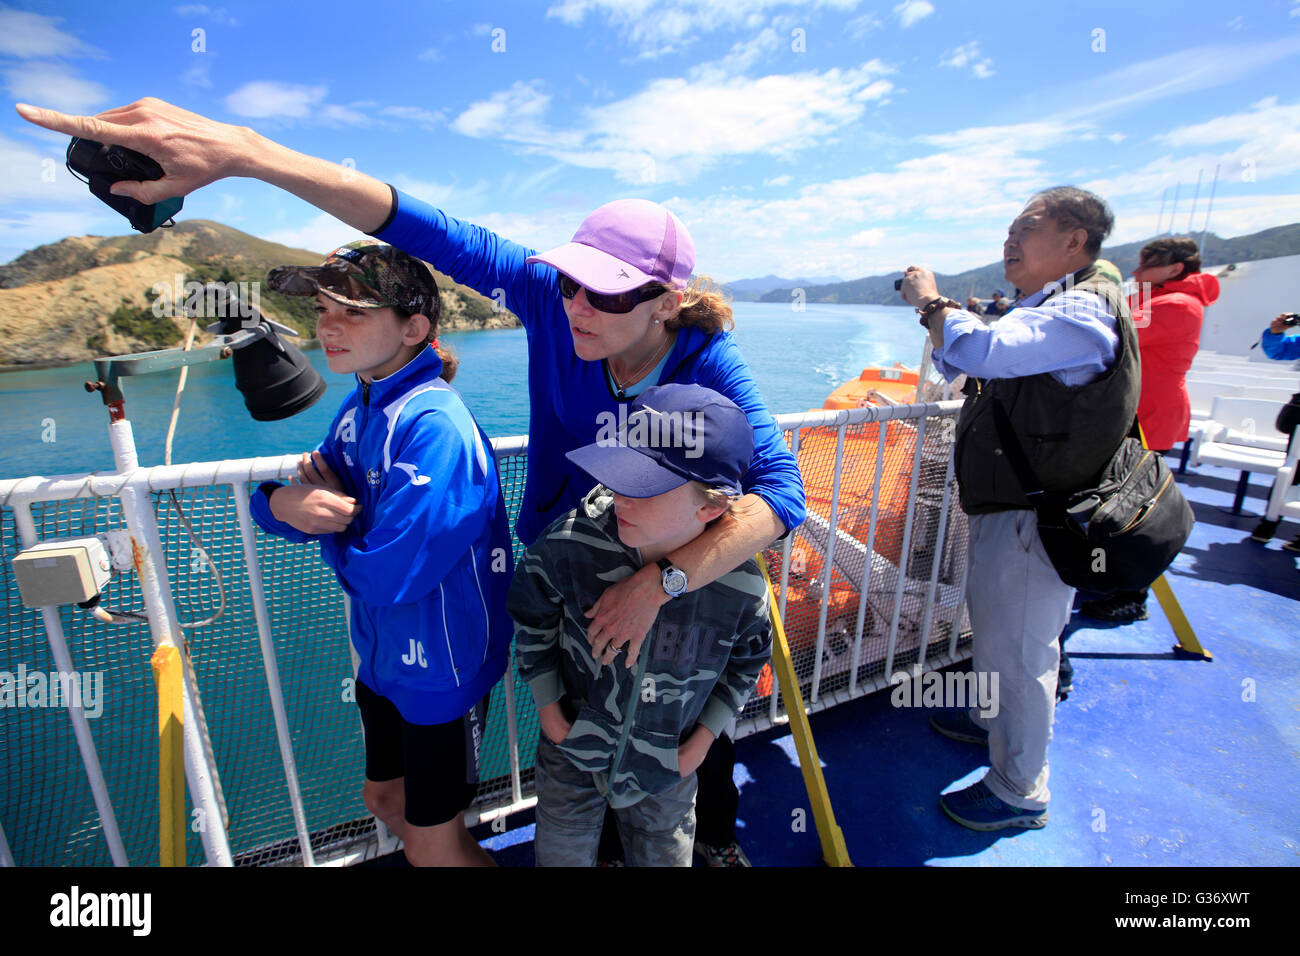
{"points": [[797, 137]]}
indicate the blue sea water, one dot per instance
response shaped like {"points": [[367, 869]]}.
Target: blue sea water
{"points": [[52, 426]]}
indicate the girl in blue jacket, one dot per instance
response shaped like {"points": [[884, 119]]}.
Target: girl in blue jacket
{"points": [[403, 496]]}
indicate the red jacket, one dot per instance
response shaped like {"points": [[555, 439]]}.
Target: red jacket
{"points": [[1169, 333]]}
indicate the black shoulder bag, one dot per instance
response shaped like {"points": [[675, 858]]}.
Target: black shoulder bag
{"points": [[1118, 536]]}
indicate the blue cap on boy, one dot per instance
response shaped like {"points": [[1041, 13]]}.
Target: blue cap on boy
{"points": [[672, 434]]}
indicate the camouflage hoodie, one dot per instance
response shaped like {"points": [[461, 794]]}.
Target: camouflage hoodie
{"points": [[698, 665]]}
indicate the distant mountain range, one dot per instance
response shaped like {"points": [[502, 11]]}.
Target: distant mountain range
{"points": [[89, 296], [749, 290], [879, 290]]}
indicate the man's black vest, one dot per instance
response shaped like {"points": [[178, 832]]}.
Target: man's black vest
{"points": [[1068, 432]]}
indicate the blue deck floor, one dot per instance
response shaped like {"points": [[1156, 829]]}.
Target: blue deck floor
{"points": [[1157, 760]]}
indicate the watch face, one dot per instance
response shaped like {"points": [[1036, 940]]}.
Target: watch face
{"points": [[674, 582]]}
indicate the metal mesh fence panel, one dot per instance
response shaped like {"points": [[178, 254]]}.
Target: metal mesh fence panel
{"points": [[873, 585]]}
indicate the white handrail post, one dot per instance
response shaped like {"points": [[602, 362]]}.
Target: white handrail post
{"points": [[271, 668], [6, 857], [928, 619], [512, 731], [904, 553], [774, 699], [828, 564], [881, 440], [200, 763]]}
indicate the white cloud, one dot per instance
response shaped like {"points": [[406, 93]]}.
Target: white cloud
{"points": [[1236, 23], [417, 115], [196, 10], [31, 35], [321, 234], [859, 27], [779, 180], [54, 86], [1264, 120], [199, 73], [1263, 141], [713, 116], [1174, 74], [267, 99], [334, 114], [514, 114], [230, 208], [879, 221], [1036, 135], [271, 100], [912, 12], [655, 27], [867, 237], [38, 176], [430, 55], [968, 54]]}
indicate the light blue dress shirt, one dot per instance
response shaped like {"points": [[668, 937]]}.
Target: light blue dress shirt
{"points": [[1072, 336]]}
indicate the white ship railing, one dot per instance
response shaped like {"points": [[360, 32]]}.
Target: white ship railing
{"points": [[904, 618]]}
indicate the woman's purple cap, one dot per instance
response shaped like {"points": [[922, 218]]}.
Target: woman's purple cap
{"points": [[623, 245]]}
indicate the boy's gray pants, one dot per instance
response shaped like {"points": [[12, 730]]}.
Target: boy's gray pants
{"points": [[658, 830]]}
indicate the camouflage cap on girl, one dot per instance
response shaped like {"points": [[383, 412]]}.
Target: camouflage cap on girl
{"points": [[365, 274]]}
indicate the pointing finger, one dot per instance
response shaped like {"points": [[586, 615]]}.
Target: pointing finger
{"points": [[87, 127]]}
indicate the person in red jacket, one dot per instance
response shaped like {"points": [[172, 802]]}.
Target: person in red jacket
{"points": [[1168, 310]]}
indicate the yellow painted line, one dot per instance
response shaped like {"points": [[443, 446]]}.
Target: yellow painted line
{"points": [[834, 851], [166, 663]]}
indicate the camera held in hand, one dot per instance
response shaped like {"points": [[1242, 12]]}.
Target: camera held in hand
{"points": [[1290, 319]]}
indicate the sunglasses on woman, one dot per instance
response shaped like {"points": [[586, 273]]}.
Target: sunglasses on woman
{"points": [[618, 304]]}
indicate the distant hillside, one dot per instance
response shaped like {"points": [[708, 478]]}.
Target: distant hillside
{"points": [[879, 290], [88, 296], [749, 290]]}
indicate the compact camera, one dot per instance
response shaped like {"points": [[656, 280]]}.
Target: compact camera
{"points": [[1291, 318], [100, 166]]}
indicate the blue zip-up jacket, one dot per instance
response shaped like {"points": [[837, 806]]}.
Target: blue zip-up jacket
{"points": [[427, 562], [569, 398]]}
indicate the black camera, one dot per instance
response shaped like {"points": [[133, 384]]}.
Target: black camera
{"points": [[100, 166], [1291, 318], [898, 285]]}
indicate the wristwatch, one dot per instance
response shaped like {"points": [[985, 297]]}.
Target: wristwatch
{"points": [[674, 578]]}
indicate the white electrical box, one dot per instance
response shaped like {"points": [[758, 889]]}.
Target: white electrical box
{"points": [[62, 571]]}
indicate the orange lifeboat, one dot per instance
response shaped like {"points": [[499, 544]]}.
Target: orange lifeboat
{"points": [[876, 386]]}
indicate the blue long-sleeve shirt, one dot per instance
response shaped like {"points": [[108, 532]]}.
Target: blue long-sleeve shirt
{"points": [[569, 398], [1280, 346], [1072, 336]]}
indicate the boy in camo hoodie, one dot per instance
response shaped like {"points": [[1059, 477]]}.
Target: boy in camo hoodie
{"points": [[630, 735]]}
